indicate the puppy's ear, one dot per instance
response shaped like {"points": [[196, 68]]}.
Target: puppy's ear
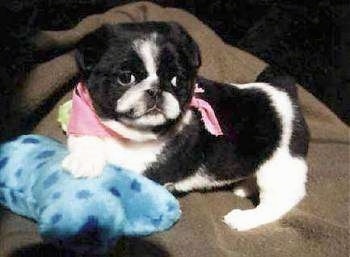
{"points": [[91, 48], [189, 45]]}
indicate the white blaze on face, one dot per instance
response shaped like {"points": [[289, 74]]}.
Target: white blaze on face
{"points": [[133, 98], [148, 51]]}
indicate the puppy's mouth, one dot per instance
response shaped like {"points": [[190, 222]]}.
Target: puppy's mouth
{"points": [[141, 111], [154, 116], [133, 115]]}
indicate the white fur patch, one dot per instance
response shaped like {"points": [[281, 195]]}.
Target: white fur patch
{"points": [[150, 120], [141, 135], [86, 157], [246, 187], [200, 180], [281, 178], [186, 119], [148, 52], [281, 181], [171, 106], [174, 81], [129, 132], [134, 156], [88, 154], [241, 192]]}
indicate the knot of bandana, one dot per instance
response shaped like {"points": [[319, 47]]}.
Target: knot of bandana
{"points": [[209, 119]]}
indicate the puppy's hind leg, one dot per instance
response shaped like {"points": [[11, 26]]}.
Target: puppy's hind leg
{"points": [[281, 182]]}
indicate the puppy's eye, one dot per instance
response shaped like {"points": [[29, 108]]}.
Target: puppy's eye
{"points": [[173, 81], [126, 78]]}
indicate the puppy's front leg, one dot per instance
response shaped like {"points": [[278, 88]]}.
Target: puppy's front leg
{"points": [[86, 157]]}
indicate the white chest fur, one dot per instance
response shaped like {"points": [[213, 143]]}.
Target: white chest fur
{"points": [[135, 156], [89, 154]]}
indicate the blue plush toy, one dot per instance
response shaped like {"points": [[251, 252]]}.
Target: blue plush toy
{"points": [[87, 215]]}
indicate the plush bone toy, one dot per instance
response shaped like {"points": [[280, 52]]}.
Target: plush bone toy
{"points": [[85, 215]]}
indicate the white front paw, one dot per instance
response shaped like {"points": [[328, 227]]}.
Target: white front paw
{"points": [[242, 219], [84, 165]]}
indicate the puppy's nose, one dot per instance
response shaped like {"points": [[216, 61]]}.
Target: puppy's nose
{"points": [[152, 91]]}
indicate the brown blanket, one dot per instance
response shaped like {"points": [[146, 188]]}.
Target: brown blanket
{"points": [[319, 226]]}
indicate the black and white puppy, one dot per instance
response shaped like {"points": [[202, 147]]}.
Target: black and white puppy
{"points": [[141, 79]]}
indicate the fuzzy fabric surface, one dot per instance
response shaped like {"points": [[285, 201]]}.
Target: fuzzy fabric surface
{"points": [[317, 227], [84, 215]]}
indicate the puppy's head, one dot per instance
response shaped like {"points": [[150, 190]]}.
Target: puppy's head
{"points": [[140, 74]]}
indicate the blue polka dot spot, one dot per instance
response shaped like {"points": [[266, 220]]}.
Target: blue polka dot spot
{"points": [[135, 185], [56, 218], [115, 191], [18, 173], [90, 230], [2, 184], [3, 162], [50, 180], [21, 190], [45, 154], [13, 197], [40, 165], [171, 206], [83, 194], [30, 140], [117, 169], [42, 209], [157, 221], [35, 206], [2, 197], [56, 195]]}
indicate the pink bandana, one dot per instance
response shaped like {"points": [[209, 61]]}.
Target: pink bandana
{"points": [[84, 120], [211, 123]]}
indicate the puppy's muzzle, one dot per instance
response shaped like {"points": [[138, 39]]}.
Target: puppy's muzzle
{"points": [[154, 100]]}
